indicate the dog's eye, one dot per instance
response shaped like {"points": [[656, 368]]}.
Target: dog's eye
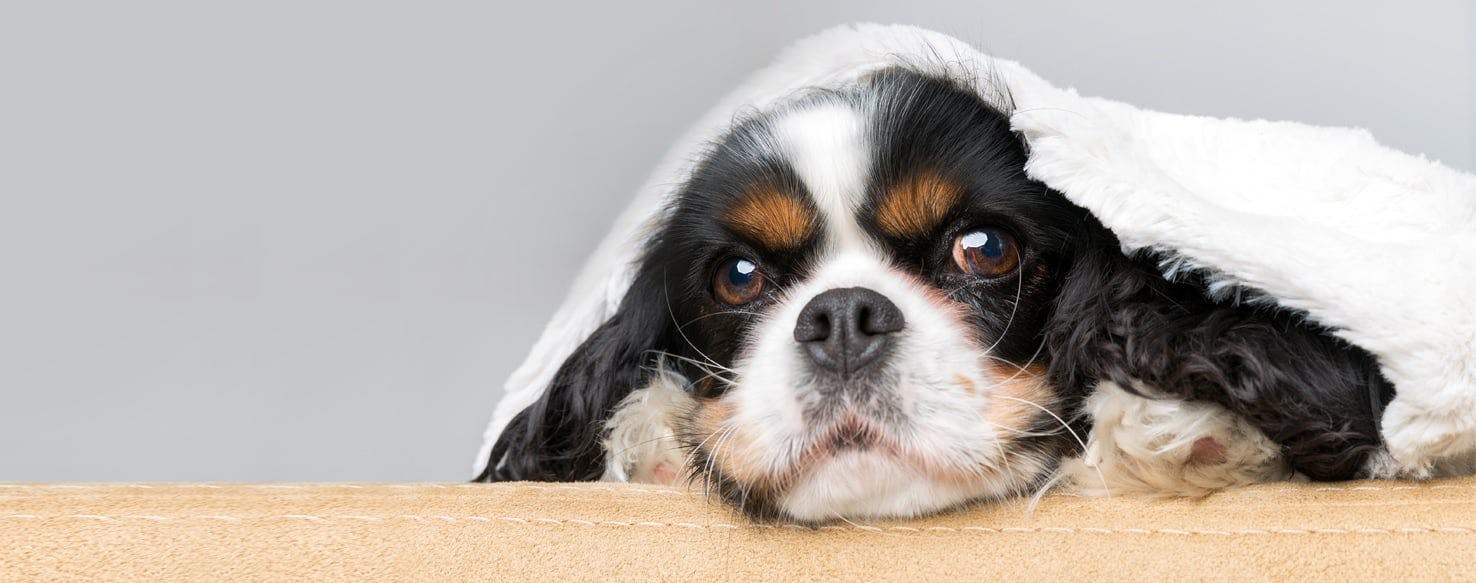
{"points": [[738, 281], [986, 252]]}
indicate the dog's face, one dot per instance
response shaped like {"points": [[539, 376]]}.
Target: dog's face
{"points": [[859, 282]]}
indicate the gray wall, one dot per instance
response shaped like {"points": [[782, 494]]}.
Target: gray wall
{"points": [[307, 240]]}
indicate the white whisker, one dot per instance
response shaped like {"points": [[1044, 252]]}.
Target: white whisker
{"points": [[1065, 425]]}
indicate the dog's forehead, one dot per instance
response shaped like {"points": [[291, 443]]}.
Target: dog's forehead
{"points": [[828, 146], [793, 181], [833, 151], [886, 163]]}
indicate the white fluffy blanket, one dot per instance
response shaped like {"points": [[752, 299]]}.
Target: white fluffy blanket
{"points": [[1375, 244]]}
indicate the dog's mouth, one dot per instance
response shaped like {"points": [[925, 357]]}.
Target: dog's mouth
{"points": [[851, 433], [854, 435]]}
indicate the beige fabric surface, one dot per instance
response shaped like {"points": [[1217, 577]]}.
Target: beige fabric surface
{"points": [[1361, 531]]}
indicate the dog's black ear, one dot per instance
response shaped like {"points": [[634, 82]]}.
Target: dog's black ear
{"points": [[558, 437], [1119, 319]]}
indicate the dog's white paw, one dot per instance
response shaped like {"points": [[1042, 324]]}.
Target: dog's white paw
{"points": [[1419, 439], [1166, 446]]}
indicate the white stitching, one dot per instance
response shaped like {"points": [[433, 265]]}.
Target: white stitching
{"points": [[151, 517], [1273, 492]]}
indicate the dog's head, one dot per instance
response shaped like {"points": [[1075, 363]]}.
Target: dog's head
{"points": [[866, 308], [853, 289]]}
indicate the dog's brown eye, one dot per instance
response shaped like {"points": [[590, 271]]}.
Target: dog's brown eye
{"points": [[986, 252], [738, 281]]}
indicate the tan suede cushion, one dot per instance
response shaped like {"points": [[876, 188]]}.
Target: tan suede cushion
{"points": [[1366, 530]]}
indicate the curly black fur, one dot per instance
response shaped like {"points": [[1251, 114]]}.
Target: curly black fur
{"points": [[1117, 319]]}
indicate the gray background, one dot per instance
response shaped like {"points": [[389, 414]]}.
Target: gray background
{"points": [[307, 240]]}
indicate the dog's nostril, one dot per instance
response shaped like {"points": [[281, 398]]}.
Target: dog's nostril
{"points": [[881, 321], [847, 329], [812, 327]]}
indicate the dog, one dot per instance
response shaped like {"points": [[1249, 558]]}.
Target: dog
{"points": [[860, 306]]}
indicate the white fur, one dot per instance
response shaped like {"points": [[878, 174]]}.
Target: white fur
{"points": [[829, 150], [886, 489], [1377, 245], [640, 445], [1146, 445]]}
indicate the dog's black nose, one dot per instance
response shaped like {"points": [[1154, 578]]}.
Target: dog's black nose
{"points": [[845, 330]]}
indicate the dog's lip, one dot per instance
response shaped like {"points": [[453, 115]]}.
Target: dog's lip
{"points": [[851, 432]]}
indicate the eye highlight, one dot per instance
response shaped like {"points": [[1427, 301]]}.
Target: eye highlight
{"points": [[737, 281], [986, 252]]}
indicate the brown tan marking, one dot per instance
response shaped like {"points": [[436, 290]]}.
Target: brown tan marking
{"points": [[1010, 394], [916, 205], [731, 449], [965, 384], [775, 219]]}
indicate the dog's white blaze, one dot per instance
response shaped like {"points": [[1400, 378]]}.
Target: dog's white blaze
{"points": [[828, 148]]}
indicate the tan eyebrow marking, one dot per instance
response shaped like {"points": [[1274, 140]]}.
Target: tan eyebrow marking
{"points": [[917, 204], [777, 220]]}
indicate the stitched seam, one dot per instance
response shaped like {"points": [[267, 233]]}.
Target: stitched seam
{"points": [[723, 526], [1276, 492]]}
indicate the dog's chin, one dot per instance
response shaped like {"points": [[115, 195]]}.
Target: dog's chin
{"points": [[871, 482], [856, 470]]}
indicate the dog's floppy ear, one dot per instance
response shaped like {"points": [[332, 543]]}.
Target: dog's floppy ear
{"points": [[558, 437], [1119, 319]]}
